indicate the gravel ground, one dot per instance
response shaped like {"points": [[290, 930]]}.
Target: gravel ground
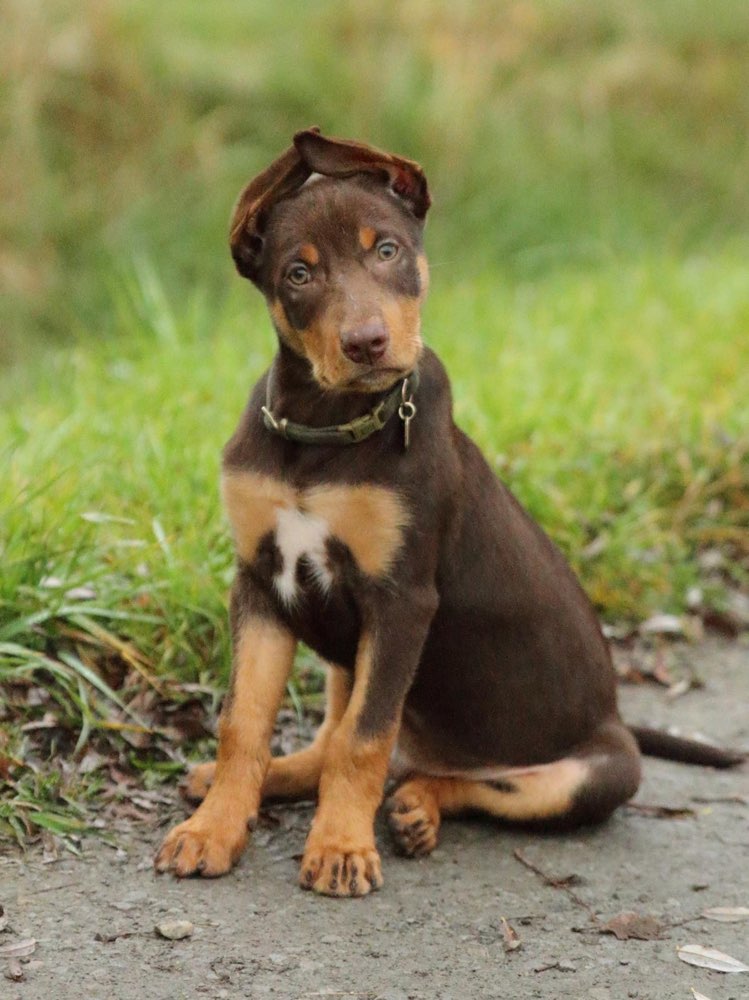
{"points": [[435, 930]]}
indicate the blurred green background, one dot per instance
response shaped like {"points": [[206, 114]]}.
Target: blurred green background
{"points": [[553, 131]]}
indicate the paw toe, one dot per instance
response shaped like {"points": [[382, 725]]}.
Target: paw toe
{"points": [[341, 873], [195, 850], [414, 829]]}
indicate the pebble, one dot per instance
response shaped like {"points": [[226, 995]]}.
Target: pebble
{"points": [[174, 930]]}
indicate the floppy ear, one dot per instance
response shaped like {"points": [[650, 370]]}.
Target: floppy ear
{"points": [[283, 176], [342, 158]]}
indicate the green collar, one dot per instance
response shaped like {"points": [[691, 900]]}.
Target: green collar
{"points": [[399, 398]]}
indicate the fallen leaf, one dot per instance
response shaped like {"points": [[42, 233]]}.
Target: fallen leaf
{"points": [[174, 930], [710, 958], [727, 914], [699, 996], [18, 950], [15, 972], [628, 925], [3, 919], [511, 940]]}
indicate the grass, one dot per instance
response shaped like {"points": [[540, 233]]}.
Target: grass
{"points": [[588, 245], [609, 398]]}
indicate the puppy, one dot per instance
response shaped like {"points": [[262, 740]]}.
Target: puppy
{"points": [[463, 656]]}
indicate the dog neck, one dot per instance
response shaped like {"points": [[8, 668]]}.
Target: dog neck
{"points": [[294, 394]]}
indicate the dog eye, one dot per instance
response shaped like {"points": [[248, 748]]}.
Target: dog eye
{"points": [[387, 250], [298, 274]]}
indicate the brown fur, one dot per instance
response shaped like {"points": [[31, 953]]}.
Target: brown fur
{"points": [[468, 658]]}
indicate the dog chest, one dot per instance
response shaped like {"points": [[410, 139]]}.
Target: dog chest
{"points": [[368, 519]]}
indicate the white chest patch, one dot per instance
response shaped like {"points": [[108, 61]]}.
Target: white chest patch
{"points": [[297, 535]]}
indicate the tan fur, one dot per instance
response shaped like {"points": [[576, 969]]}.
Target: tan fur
{"points": [[298, 774], [540, 792], [368, 519], [367, 237], [309, 253], [212, 839], [295, 775], [423, 268], [320, 342], [340, 857], [416, 807], [403, 320], [252, 503], [283, 327]]}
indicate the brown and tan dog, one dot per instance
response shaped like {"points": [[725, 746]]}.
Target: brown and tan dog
{"points": [[463, 654]]}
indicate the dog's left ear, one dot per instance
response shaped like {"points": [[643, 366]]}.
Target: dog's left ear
{"points": [[280, 179], [342, 158]]}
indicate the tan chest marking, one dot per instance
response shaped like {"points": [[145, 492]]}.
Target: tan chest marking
{"points": [[368, 519]]}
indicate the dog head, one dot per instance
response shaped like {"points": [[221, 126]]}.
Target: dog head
{"points": [[331, 233]]}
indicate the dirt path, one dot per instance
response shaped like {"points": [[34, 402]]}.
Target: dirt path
{"points": [[434, 931]]}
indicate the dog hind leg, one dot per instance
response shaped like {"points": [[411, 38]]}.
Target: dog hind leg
{"points": [[583, 788]]}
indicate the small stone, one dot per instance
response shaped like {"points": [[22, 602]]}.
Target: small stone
{"points": [[174, 930]]}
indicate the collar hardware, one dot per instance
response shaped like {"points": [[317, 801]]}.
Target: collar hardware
{"points": [[399, 398]]}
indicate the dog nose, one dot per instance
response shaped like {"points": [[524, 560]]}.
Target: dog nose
{"points": [[365, 344]]}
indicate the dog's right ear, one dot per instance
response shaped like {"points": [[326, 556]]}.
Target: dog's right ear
{"points": [[283, 176]]}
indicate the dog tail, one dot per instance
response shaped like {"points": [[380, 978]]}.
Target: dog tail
{"points": [[656, 743]]}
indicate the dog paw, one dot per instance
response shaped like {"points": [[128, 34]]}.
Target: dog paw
{"points": [[333, 872], [196, 847], [414, 822], [198, 781]]}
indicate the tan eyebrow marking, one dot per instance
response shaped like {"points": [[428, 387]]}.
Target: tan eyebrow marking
{"points": [[309, 254], [367, 237]]}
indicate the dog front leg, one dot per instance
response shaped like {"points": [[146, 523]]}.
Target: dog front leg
{"points": [[212, 839], [340, 857]]}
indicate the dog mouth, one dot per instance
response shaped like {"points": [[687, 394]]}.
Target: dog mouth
{"points": [[374, 379]]}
